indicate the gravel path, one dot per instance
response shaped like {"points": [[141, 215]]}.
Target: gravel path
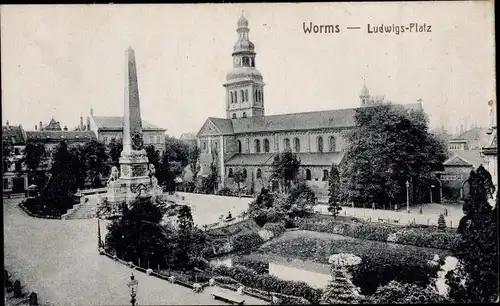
{"points": [[59, 261]]}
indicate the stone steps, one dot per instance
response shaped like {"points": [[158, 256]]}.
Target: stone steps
{"points": [[80, 211]]}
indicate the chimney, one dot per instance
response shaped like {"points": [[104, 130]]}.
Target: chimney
{"points": [[40, 126], [461, 128], [36, 127], [81, 122], [88, 123], [65, 128], [7, 123]]}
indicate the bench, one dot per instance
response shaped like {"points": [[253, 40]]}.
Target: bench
{"points": [[233, 299]]}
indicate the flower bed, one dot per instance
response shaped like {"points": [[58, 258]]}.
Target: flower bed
{"points": [[33, 210], [381, 262], [427, 236]]}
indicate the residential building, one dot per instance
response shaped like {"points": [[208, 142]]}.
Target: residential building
{"points": [[472, 139], [15, 179]]}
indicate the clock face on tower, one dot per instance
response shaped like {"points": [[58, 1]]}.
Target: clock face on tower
{"points": [[237, 60]]}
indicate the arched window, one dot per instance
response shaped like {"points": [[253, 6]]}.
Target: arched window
{"points": [[230, 172], [215, 145], [234, 116], [244, 173], [239, 146], [325, 175], [296, 144], [319, 141], [246, 94], [204, 146], [266, 145], [308, 174], [259, 96], [332, 146], [287, 144], [257, 145], [244, 115], [242, 96], [259, 173]]}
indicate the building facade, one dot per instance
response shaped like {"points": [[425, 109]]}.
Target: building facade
{"points": [[14, 177], [490, 151], [107, 128], [247, 139]]}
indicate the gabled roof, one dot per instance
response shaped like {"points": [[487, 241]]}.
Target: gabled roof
{"points": [[476, 137], [493, 141], [13, 134], [465, 158], [116, 123], [187, 136], [266, 159], [338, 118], [52, 126], [57, 136]]}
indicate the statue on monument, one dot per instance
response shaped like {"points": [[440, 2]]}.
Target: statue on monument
{"points": [[113, 178]]}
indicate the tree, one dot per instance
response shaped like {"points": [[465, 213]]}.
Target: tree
{"points": [[285, 168], [115, 148], [476, 278], [93, 159], [389, 146], [239, 177], [153, 156], [441, 223], [193, 158], [299, 201], [339, 290], [334, 191], [34, 155], [177, 150]]}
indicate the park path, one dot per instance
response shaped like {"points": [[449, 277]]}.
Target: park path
{"points": [[59, 261]]}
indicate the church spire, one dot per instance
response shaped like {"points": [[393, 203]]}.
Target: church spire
{"points": [[364, 95]]}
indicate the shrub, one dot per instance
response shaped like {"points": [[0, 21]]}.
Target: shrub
{"points": [[246, 241], [250, 278], [441, 223], [276, 228], [259, 266], [225, 192]]}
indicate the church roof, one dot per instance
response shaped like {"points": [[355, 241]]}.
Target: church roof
{"points": [[53, 125], [56, 136], [266, 159], [116, 123], [465, 158], [338, 118], [13, 134]]}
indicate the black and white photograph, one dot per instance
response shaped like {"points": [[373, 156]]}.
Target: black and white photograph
{"points": [[249, 154]]}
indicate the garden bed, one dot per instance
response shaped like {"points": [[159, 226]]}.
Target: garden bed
{"points": [[37, 213], [381, 261], [416, 235]]}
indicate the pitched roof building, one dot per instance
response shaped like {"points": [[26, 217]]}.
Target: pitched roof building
{"points": [[472, 139], [249, 139]]}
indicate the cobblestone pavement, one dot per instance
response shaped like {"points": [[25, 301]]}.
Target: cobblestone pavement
{"points": [[59, 260]]}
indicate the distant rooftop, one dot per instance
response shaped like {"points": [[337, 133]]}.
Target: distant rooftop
{"points": [[116, 123], [56, 136]]}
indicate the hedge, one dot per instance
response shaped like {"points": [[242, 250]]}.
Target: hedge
{"points": [[246, 241], [259, 266], [276, 228], [421, 236], [269, 283]]}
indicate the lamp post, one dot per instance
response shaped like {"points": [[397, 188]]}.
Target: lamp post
{"points": [[407, 197], [132, 285]]}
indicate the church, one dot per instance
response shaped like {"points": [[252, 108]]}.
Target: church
{"points": [[247, 139]]}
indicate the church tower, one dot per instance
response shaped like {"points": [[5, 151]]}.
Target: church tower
{"points": [[244, 84], [364, 96]]}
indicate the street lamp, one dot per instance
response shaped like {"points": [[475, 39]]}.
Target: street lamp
{"points": [[132, 285], [407, 197]]}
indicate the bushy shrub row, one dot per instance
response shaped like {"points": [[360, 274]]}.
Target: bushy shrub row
{"points": [[246, 241], [259, 266], [411, 235], [266, 282], [276, 228]]}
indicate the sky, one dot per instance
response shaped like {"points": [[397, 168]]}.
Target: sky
{"points": [[61, 60]]}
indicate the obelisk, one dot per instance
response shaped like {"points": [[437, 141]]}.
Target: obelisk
{"points": [[133, 160]]}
